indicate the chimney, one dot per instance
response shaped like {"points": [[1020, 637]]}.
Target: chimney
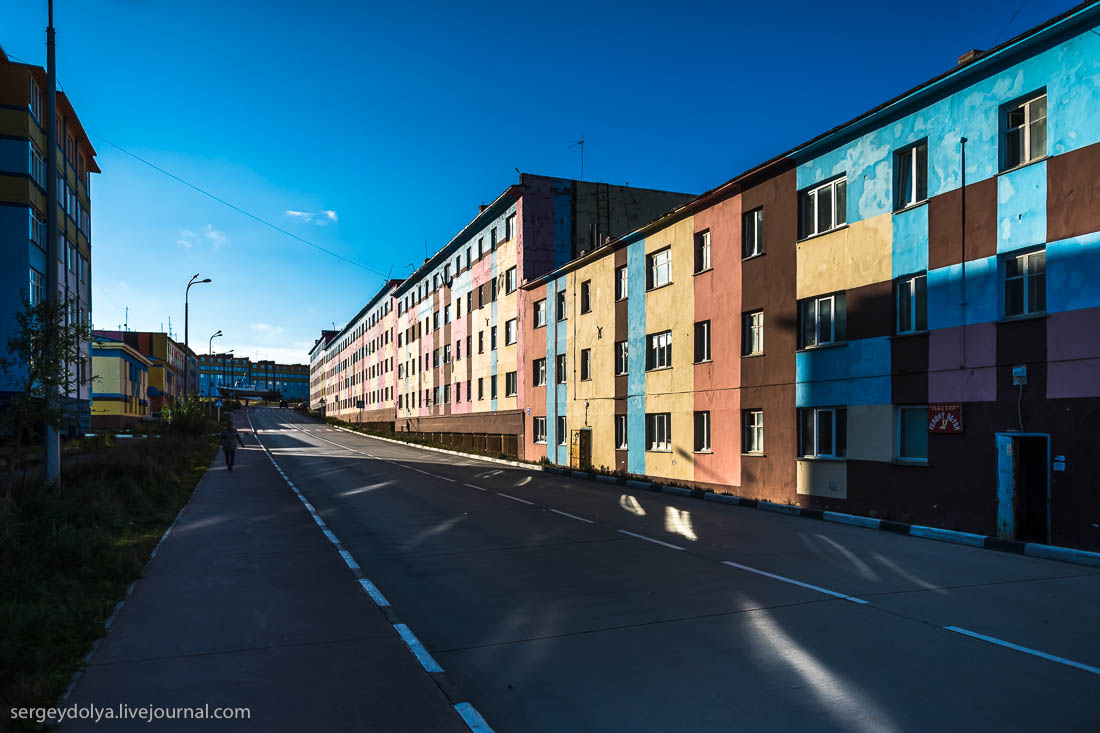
{"points": [[970, 55], [481, 208]]}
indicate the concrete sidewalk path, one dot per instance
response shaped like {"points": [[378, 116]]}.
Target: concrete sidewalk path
{"points": [[247, 605]]}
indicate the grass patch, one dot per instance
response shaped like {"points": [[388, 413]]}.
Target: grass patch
{"points": [[72, 553]]}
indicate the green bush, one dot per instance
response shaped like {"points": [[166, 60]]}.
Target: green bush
{"points": [[186, 416]]}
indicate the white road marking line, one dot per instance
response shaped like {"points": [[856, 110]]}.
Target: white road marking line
{"points": [[417, 648], [571, 516], [475, 487], [650, 539], [373, 592], [472, 718], [773, 576], [1024, 649], [516, 498], [443, 477]]}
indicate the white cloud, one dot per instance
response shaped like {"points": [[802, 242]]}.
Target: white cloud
{"points": [[186, 239], [267, 328], [279, 354], [216, 237], [323, 218]]}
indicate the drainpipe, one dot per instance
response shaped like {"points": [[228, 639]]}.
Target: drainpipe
{"points": [[962, 253]]}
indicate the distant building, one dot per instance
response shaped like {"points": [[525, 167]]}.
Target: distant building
{"points": [[23, 211], [291, 381], [167, 371], [120, 390], [317, 371]]}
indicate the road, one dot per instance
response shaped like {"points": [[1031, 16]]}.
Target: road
{"points": [[562, 604]]}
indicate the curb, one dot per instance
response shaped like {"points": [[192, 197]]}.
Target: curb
{"points": [[1031, 549]]}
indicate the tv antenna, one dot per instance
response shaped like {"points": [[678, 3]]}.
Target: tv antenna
{"points": [[580, 144]]}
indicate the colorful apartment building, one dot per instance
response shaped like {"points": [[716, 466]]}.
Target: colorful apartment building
{"points": [[23, 234], [899, 318], [166, 374], [120, 390], [290, 381]]}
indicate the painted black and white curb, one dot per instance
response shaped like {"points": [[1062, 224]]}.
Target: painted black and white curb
{"points": [[450, 690]]}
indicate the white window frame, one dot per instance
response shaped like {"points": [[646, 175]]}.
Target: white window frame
{"points": [[586, 296], [510, 227], [511, 384], [510, 280], [561, 306], [905, 290], [538, 430], [752, 233], [839, 213], [540, 313], [658, 351], [1027, 277], [702, 442], [539, 370], [36, 286], [819, 339], [702, 252], [658, 431], [586, 365], [899, 421], [753, 440], [819, 414], [560, 366], [622, 275], [908, 158], [511, 329], [562, 426], [621, 433], [1029, 120], [705, 356], [622, 358], [36, 164], [659, 267], [753, 328]]}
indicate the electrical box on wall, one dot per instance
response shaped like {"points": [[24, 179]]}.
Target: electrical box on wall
{"points": [[1019, 375]]}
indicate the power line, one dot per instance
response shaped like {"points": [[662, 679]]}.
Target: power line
{"points": [[238, 209], [998, 38]]}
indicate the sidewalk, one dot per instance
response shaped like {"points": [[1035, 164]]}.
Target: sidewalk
{"points": [[248, 605]]}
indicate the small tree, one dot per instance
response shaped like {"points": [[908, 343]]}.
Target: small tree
{"points": [[44, 344]]}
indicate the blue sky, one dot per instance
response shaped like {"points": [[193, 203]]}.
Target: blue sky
{"points": [[385, 124]]}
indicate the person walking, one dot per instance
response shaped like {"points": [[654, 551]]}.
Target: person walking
{"points": [[230, 439]]}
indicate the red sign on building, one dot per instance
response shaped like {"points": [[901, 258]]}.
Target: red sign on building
{"points": [[945, 418]]}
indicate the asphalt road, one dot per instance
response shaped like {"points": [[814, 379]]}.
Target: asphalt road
{"points": [[559, 604]]}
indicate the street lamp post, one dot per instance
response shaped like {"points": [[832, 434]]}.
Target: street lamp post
{"points": [[210, 374], [186, 349]]}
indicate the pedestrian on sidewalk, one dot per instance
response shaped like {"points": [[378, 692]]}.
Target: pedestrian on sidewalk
{"points": [[230, 439]]}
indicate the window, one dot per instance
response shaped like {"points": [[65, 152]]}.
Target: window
{"points": [[1025, 135], [540, 313], [446, 394], [37, 165], [659, 269], [753, 333], [447, 354], [35, 100], [622, 356], [559, 368], [702, 252], [510, 226], [822, 432], [560, 305], [586, 296], [620, 432], [493, 387], [510, 280], [702, 431], [446, 314], [562, 436], [493, 290], [511, 384], [912, 439], [621, 283], [510, 327], [36, 288], [586, 364], [911, 302], [538, 429], [481, 342], [481, 388], [911, 175], [538, 368], [702, 341], [493, 239], [1025, 283], [492, 338], [821, 320], [37, 229], [752, 433], [480, 296], [752, 233], [824, 207], [658, 431], [658, 353]]}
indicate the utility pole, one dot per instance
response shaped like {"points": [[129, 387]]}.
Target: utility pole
{"points": [[53, 440]]}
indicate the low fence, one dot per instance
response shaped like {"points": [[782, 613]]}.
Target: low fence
{"points": [[485, 443]]}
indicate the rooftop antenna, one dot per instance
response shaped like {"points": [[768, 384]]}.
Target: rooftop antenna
{"points": [[126, 319], [169, 326], [580, 144]]}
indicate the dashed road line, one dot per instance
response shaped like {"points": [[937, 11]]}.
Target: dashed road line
{"points": [[649, 539], [515, 498], [1024, 649], [572, 516], [792, 581], [475, 487]]}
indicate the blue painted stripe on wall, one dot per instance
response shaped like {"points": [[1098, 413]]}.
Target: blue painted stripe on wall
{"points": [[636, 325], [1073, 273], [561, 390], [1022, 207], [945, 294], [857, 373], [909, 242]]}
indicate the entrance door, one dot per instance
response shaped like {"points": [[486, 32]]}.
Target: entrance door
{"points": [[1023, 487], [580, 449]]}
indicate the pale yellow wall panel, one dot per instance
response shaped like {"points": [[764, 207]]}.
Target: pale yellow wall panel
{"points": [[871, 432], [859, 254], [823, 478]]}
